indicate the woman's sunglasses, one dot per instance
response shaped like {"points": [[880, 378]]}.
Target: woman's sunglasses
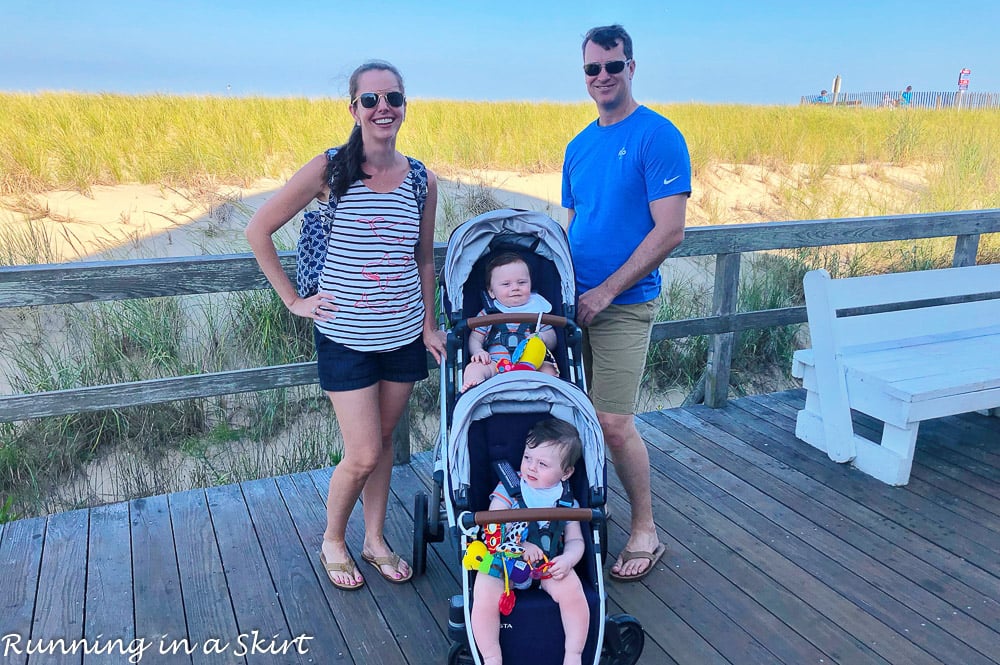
{"points": [[613, 67], [370, 99]]}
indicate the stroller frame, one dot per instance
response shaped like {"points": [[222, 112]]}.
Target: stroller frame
{"points": [[619, 638]]}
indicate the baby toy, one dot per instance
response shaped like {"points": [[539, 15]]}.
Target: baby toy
{"points": [[529, 354], [502, 559]]}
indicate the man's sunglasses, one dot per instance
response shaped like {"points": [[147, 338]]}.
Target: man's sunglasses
{"points": [[613, 67], [370, 99]]}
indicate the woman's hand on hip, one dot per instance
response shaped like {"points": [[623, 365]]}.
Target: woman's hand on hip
{"points": [[319, 307]]}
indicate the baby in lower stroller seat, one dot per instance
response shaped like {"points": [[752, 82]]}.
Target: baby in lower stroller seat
{"points": [[508, 281], [552, 449]]}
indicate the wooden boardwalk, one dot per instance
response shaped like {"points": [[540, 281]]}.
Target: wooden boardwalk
{"points": [[776, 555]]}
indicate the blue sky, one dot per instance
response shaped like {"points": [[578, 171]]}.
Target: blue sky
{"points": [[764, 52]]}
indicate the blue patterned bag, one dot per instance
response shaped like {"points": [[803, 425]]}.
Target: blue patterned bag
{"points": [[317, 225]]}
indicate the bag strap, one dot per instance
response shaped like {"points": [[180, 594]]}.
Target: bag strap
{"points": [[419, 184], [331, 173]]}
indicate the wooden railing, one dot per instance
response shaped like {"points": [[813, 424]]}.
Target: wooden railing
{"points": [[39, 285]]}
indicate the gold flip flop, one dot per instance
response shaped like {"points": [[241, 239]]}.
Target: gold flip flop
{"points": [[345, 567], [392, 561]]}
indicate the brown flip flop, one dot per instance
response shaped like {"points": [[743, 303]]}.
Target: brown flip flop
{"points": [[345, 567], [392, 561], [628, 555]]}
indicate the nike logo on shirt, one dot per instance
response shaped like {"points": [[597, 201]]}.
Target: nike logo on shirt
{"points": [[667, 182]]}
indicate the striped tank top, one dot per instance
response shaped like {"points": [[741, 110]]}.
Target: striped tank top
{"points": [[371, 270]]}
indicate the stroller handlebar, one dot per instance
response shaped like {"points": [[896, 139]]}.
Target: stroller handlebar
{"points": [[484, 517], [494, 319]]}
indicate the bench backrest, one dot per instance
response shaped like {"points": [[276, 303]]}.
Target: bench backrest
{"points": [[882, 309]]}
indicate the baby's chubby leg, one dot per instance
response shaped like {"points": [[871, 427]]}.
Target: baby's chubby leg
{"points": [[575, 613], [476, 373], [486, 617]]}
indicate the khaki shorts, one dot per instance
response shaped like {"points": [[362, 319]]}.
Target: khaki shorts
{"points": [[614, 355]]}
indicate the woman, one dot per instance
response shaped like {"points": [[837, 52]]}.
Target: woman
{"points": [[374, 312]]}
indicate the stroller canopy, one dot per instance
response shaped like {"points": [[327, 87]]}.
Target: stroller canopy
{"points": [[526, 392], [472, 240]]}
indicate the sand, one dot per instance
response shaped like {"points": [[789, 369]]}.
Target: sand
{"points": [[145, 221]]}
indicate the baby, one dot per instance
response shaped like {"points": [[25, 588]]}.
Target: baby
{"points": [[552, 448], [509, 286]]}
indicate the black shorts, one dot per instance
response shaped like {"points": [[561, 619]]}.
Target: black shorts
{"points": [[341, 368]]}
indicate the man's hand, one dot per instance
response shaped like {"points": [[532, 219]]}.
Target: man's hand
{"points": [[592, 303]]}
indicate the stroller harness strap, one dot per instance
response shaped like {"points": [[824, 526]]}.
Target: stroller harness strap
{"points": [[506, 336], [549, 537]]}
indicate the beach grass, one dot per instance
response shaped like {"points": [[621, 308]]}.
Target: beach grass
{"points": [[68, 140]]}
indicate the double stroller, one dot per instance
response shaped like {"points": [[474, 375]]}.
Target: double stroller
{"points": [[489, 423]]}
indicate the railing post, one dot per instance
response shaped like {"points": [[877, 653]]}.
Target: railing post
{"points": [[401, 439], [720, 349], [966, 248]]}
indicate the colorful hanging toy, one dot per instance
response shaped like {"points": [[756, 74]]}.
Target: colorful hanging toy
{"points": [[500, 559]]}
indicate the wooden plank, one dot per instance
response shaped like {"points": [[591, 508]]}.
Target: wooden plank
{"points": [[710, 325], [159, 608], [113, 280], [365, 630], [405, 615], [731, 238], [443, 576], [931, 477], [94, 281], [783, 567], [154, 391], [20, 561], [803, 468], [720, 349], [59, 605], [966, 248], [255, 601], [208, 609], [913, 286], [109, 606], [928, 518], [700, 596], [662, 617], [887, 604], [293, 576]]}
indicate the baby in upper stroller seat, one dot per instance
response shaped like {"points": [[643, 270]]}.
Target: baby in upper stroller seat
{"points": [[552, 449], [508, 282]]}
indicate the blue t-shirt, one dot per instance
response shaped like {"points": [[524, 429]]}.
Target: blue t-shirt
{"points": [[610, 176]]}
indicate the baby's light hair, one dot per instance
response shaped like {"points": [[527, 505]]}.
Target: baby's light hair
{"points": [[555, 432]]}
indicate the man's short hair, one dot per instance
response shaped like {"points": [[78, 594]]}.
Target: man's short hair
{"points": [[607, 37]]}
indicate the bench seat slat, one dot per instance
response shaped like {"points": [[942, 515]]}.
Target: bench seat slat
{"points": [[908, 286]]}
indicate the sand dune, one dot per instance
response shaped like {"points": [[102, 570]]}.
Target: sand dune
{"points": [[142, 221]]}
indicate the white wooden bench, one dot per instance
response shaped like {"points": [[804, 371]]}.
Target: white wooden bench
{"points": [[903, 348]]}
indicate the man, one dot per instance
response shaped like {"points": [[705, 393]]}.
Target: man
{"points": [[907, 96], [626, 181]]}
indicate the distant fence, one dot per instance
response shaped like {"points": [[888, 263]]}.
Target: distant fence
{"points": [[924, 100]]}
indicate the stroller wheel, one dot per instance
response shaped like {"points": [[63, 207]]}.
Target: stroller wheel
{"points": [[420, 533], [459, 654], [623, 640]]}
